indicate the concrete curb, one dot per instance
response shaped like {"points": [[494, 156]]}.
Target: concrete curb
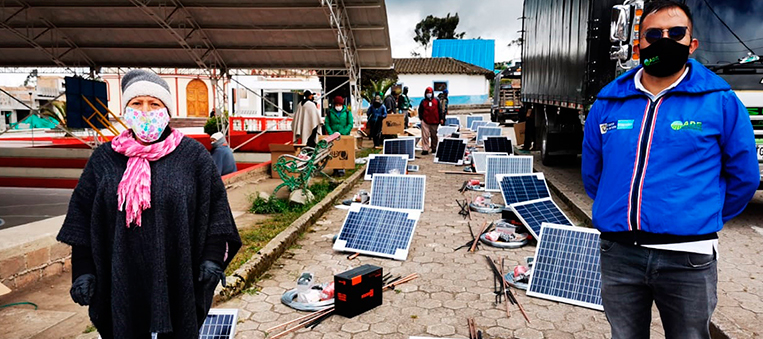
{"points": [[717, 330], [245, 275]]}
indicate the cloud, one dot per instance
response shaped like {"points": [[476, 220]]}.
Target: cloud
{"points": [[488, 19]]}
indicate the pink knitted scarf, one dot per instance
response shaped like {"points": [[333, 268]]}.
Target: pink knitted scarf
{"points": [[134, 192]]}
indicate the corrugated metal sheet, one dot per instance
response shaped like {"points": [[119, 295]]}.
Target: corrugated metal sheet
{"points": [[474, 51]]}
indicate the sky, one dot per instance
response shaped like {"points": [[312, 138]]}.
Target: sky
{"points": [[477, 18]]}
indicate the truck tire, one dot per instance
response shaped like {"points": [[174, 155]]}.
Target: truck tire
{"points": [[493, 116]]}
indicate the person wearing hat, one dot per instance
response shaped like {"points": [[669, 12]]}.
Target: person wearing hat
{"points": [[222, 154], [431, 117], [149, 223], [307, 121], [404, 104], [376, 115]]}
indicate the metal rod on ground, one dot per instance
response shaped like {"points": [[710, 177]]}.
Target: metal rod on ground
{"points": [[495, 271], [296, 320], [474, 244], [302, 325], [401, 281], [506, 293], [458, 172]]}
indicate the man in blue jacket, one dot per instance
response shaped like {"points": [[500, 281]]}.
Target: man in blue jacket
{"points": [[668, 157]]}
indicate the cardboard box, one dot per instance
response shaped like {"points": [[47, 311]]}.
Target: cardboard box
{"points": [[519, 133], [393, 124], [357, 290], [343, 153], [277, 150]]}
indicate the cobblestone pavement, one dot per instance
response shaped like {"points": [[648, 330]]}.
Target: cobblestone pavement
{"points": [[452, 287], [739, 313]]}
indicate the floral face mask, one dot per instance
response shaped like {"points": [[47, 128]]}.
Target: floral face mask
{"points": [[147, 126]]}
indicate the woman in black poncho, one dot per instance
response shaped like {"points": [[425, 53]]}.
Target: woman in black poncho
{"points": [[149, 224]]}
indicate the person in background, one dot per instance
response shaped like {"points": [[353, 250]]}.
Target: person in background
{"points": [[444, 103], [404, 104], [668, 158], [307, 120], [431, 117], [528, 113], [376, 115], [339, 120], [222, 154], [390, 102], [149, 223]]}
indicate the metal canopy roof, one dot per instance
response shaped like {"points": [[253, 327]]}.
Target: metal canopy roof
{"points": [[223, 34]]}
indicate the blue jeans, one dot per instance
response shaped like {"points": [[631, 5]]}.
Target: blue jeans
{"points": [[683, 285]]}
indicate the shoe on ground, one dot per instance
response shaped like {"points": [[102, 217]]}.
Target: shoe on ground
{"points": [[424, 152]]}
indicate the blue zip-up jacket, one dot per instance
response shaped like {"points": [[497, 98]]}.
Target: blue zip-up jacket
{"points": [[674, 170]]}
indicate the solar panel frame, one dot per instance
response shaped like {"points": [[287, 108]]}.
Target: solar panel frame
{"points": [[498, 144], [393, 146], [493, 124], [404, 191], [473, 118], [456, 148], [519, 164], [477, 124], [532, 187], [545, 203], [453, 121], [371, 169], [479, 159], [360, 213], [581, 248], [446, 130], [219, 319], [484, 131]]}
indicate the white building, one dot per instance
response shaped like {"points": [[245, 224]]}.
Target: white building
{"points": [[467, 84], [281, 91]]}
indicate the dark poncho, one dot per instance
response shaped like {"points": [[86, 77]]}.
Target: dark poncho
{"points": [[147, 277]]}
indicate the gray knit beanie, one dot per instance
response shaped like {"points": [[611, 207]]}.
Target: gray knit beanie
{"points": [[140, 82]]}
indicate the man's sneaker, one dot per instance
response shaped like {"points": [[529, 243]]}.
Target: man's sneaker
{"points": [[424, 152]]}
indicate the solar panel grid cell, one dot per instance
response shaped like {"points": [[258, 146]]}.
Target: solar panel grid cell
{"points": [[522, 187], [219, 324], [535, 212], [405, 146], [567, 266], [484, 131], [498, 144], [471, 119], [377, 231], [385, 164], [522, 164], [452, 121], [398, 191], [480, 159], [477, 124], [450, 151]]}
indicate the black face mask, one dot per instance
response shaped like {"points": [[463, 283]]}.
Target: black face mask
{"points": [[377, 104], [664, 57]]}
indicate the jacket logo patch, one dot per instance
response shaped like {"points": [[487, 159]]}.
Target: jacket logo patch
{"points": [[606, 127], [624, 124], [686, 125]]}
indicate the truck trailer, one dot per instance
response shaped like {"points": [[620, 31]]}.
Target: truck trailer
{"points": [[573, 48]]}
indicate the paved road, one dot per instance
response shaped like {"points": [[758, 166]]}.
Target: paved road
{"points": [[19, 206]]}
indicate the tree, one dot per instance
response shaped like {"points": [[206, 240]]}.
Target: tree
{"points": [[374, 81], [433, 27]]}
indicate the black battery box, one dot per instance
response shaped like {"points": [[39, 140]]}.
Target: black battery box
{"points": [[357, 290]]}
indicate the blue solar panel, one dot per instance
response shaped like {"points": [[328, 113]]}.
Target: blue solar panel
{"points": [[567, 266], [484, 131], [220, 324], [453, 121], [522, 187], [386, 164], [477, 124], [472, 118], [498, 144], [450, 151], [446, 130], [535, 212], [398, 191], [479, 159], [405, 146], [379, 231], [521, 164]]}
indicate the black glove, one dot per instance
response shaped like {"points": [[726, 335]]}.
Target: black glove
{"points": [[83, 289], [211, 272]]}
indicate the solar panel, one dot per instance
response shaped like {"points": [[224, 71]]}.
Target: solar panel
{"points": [[401, 146], [477, 124], [453, 121], [522, 187], [386, 164], [220, 324], [398, 191], [493, 124], [484, 131], [520, 164], [378, 231], [446, 130], [472, 118], [498, 144], [534, 213], [450, 151], [567, 266], [480, 160]]}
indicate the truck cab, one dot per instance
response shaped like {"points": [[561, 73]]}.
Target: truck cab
{"points": [[729, 34], [507, 95]]}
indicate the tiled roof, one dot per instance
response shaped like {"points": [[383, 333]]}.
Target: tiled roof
{"points": [[438, 66]]}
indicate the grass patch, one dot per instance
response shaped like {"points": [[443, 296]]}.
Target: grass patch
{"points": [[283, 214], [90, 328]]}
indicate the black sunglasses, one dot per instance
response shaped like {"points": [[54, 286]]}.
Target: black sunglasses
{"points": [[675, 33]]}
